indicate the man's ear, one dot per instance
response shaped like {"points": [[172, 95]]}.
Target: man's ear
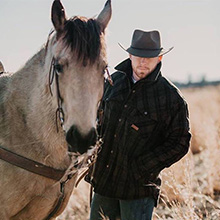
{"points": [[160, 58]]}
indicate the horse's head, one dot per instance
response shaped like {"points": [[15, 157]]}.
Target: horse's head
{"points": [[78, 55]]}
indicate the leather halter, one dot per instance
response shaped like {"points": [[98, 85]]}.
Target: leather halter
{"points": [[40, 169], [53, 74], [30, 165]]}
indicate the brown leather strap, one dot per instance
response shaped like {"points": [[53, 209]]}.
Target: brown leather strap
{"points": [[90, 195], [58, 203], [30, 165]]}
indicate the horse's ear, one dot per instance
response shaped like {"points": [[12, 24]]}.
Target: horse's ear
{"points": [[2, 70], [58, 16], [105, 15]]}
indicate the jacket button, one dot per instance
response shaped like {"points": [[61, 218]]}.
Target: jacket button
{"points": [[125, 106], [112, 151], [119, 119], [133, 91], [115, 135], [145, 113], [107, 166]]}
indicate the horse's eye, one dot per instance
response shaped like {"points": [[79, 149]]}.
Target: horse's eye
{"points": [[58, 68]]}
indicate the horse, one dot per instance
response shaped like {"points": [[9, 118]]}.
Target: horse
{"points": [[48, 110]]}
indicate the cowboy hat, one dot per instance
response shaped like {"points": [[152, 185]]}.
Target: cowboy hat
{"points": [[146, 44]]}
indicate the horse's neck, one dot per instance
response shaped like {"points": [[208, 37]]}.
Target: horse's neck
{"points": [[30, 120]]}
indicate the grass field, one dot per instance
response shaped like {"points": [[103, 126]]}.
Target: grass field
{"points": [[191, 187]]}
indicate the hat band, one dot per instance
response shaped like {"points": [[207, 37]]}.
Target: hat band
{"points": [[146, 49], [144, 52]]}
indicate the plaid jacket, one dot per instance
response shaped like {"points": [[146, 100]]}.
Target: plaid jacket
{"points": [[145, 129]]}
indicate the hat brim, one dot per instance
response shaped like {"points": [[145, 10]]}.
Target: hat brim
{"points": [[146, 53]]}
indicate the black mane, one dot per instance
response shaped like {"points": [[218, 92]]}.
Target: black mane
{"points": [[83, 36]]}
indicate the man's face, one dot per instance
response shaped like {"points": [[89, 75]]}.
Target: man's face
{"points": [[143, 66]]}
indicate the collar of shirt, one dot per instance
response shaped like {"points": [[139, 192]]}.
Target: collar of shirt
{"points": [[133, 79], [125, 66]]}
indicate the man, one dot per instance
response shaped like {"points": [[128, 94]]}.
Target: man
{"points": [[145, 129]]}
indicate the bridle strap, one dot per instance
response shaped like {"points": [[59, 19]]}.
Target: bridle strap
{"points": [[59, 111], [30, 165], [53, 75], [61, 197], [40, 169]]}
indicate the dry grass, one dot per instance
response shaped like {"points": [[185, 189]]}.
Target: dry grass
{"points": [[191, 187]]}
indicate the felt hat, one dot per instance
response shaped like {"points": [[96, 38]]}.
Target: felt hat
{"points": [[146, 44]]}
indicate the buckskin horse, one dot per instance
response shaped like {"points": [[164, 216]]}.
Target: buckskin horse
{"points": [[47, 109]]}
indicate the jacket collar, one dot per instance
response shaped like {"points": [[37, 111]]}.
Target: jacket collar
{"points": [[125, 66]]}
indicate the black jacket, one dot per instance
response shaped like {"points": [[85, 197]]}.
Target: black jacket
{"points": [[145, 129]]}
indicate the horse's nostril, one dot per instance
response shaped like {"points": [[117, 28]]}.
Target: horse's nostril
{"points": [[78, 142]]}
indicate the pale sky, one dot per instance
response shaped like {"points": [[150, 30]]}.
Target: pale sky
{"points": [[191, 26]]}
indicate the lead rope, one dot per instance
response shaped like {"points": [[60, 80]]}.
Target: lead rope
{"points": [[91, 162]]}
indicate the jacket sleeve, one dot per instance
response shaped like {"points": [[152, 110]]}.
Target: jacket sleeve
{"points": [[175, 146]]}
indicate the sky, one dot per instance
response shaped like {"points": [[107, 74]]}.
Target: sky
{"points": [[191, 26]]}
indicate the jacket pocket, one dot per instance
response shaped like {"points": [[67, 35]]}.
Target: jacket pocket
{"points": [[143, 122]]}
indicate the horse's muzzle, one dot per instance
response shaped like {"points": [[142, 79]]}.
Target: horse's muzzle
{"points": [[78, 142]]}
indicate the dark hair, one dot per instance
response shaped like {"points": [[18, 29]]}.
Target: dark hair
{"points": [[83, 36]]}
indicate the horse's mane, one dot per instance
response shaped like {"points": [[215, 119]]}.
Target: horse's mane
{"points": [[83, 36]]}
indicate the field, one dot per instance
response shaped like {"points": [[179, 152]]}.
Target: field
{"points": [[191, 187]]}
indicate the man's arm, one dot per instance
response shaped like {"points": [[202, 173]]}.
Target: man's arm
{"points": [[176, 145]]}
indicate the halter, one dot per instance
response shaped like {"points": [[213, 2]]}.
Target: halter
{"points": [[54, 75]]}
